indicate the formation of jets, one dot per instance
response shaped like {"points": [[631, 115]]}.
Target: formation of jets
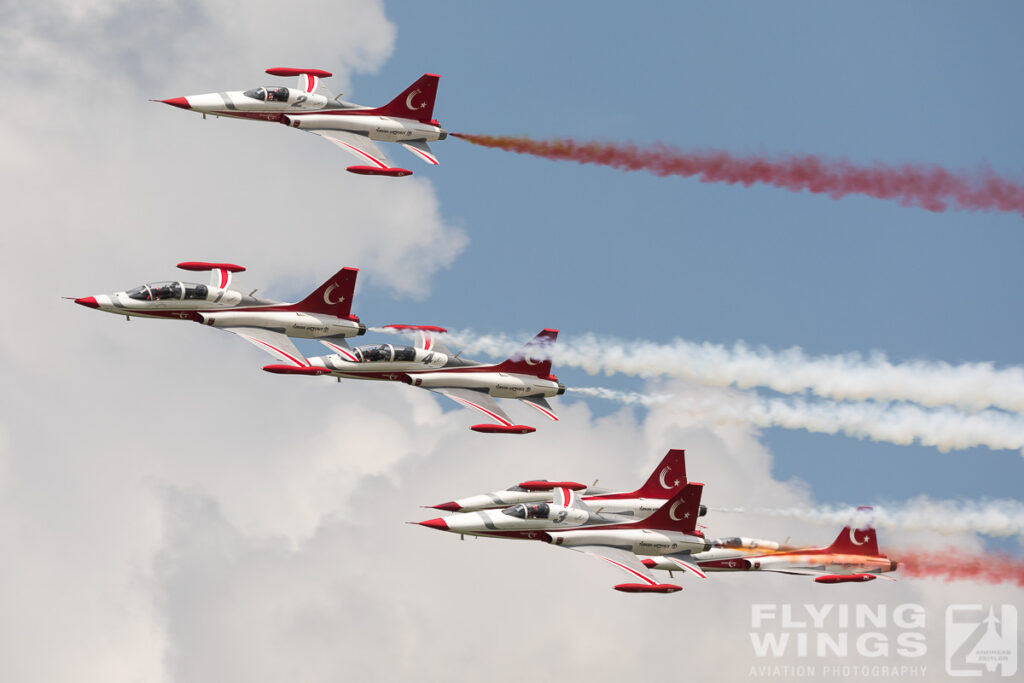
{"points": [[408, 119], [654, 527], [326, 316]]}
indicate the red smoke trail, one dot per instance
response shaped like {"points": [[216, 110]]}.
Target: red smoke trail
{"points": [[953, 565], [930, 187]]}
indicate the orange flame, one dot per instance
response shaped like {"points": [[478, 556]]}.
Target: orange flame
{"points": [[929, 187]]}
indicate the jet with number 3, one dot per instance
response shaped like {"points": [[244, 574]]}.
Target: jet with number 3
{"points": [[408, 119], [567, 522], [326, 314]]}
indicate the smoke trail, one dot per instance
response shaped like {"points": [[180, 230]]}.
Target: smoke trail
{"points": [[971, 386], [989, 517], [929, 187], [944, 429], [953, 565]]}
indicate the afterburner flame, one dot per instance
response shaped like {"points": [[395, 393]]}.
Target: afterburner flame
{"points": [[930, 187]]}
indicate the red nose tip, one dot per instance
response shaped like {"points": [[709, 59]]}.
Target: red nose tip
{"points": [[448, 507], [87, 301], [648, 562], [437, 523], [180, 102]]}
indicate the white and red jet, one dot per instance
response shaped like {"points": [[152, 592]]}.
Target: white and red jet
{"points": [[408, 119], [852, 557], [568, 523], [326, 314], [526, 375], [665, 481]]}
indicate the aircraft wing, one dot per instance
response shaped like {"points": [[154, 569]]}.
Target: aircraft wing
{"points": [[623, 559], [477, 400], [276, 344], [541, 405], [422, 150], [686, 563], [339, 346], [359, 146]]}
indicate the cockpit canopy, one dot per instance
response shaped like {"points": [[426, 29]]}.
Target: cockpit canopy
{"points": [[168, 291], [268, 94], [384, 353], [529, 511]]}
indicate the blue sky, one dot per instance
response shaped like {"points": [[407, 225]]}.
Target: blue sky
{"points": [[635, 256]]}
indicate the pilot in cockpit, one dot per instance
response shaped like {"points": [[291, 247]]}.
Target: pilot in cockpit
{"points": [[529, 511]]}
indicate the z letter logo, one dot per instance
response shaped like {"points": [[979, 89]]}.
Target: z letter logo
{"points": [[327, 295], [980, 641]]}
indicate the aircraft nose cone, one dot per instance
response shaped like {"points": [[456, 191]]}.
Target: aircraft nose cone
{"points": [[437, 523], [448, 507], [179, 102], [88, 302]]}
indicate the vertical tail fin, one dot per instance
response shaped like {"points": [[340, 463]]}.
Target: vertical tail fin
{"points": [[667, 478], [534, 358], [679, 513], [333, 297], [415, 102], [858, 537]]}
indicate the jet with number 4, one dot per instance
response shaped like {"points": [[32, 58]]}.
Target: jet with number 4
{"points": [[408, 119], [567, 522], [326, 314], [665, 481], [428, 364], [853, 557]]}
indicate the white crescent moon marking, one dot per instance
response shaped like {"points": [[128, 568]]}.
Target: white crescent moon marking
{"points": [[530, 360], [661, 479], [327, 295], [672, 511], [853, 538], [408, 100]]}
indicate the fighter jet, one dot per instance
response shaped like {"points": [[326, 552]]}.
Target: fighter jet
{"points": [[666, 479], [325, 314], [526, 375], [569, 523], [408, 119], [852, 557]]}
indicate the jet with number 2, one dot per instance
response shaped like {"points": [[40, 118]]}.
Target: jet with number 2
{"points": [[326, 314], [526, 375], [408, 119]]}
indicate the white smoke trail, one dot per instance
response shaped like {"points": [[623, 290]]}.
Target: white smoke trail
{"points": [[847, 377], [944, 428], [989, 517]]}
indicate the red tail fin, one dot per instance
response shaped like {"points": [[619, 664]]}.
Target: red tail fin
{"points": [[333, 297], [667, 478], [857, 540], [679, 513], [415, 102], [534, 358]]}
